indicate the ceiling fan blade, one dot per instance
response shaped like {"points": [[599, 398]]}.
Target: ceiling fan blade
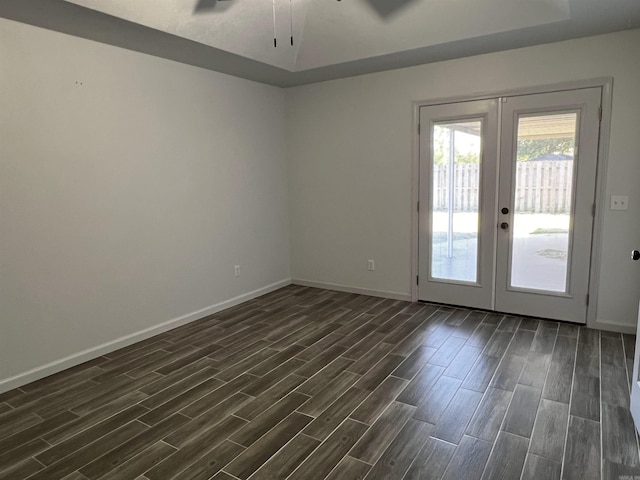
{"points": [[386, 8], [205, 6]]}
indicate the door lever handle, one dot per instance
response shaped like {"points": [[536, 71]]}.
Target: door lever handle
{"points": [[635, 255]]}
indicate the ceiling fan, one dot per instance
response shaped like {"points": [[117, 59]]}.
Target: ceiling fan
{"points": [[205, 6], [384, 8]]}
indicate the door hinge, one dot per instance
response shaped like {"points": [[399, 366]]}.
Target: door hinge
{"points": [[417, 279], [600, 113], [418, 128], [587, 299], [418, 206], [593, 210]]}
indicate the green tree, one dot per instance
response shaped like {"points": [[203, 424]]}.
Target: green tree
{"points": [[534, 148], [441, 149]]}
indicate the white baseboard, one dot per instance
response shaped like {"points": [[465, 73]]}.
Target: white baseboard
{"points": [[600, 325], [94, 352], [347, 289], [613, 327]]}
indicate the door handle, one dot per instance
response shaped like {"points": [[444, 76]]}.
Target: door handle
{"points": [[635, 255], [505, 226]]}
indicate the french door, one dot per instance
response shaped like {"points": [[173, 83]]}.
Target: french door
{"points": [[507, 190]]}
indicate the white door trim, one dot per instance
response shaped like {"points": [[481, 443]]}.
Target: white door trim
{"points": [[634, 406], [606, 83]]}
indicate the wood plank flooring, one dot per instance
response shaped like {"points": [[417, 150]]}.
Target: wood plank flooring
{"points": [[307, 384]]}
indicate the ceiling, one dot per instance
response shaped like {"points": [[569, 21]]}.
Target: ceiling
{"points": [[332, 39]]}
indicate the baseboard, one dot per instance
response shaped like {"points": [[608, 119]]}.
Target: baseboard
{"points": [[94, 352], [613, 327], [600, 325], [347, 289]]}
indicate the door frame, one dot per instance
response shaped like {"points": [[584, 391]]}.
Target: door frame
{"points": [[634, 398], [606, 83]]}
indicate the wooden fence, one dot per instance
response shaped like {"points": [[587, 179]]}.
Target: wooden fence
{"points": [[541, 187]]}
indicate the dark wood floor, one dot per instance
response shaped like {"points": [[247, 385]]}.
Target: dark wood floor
{"points": [[312, 384]]}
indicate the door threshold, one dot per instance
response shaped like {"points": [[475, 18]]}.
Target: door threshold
{"points": [[532, 317]]}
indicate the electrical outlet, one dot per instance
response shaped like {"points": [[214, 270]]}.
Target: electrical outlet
{"points": [[619, 202], [371, 265], [236, 270]]}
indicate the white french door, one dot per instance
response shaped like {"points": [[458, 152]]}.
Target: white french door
{"points": [[507, 189], [458, 170]]}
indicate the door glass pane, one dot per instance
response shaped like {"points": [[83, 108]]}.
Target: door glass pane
{"points": [[543, 201], [456, 192]]}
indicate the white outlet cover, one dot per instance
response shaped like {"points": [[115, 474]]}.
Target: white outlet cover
{"points": [[619, 202]]}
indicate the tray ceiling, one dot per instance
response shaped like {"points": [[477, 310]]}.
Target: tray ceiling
{"points": [[332, 39]]}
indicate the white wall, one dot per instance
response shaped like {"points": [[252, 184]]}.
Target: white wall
{"points": [[131, 185], [125, 201], [350, 155]]}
